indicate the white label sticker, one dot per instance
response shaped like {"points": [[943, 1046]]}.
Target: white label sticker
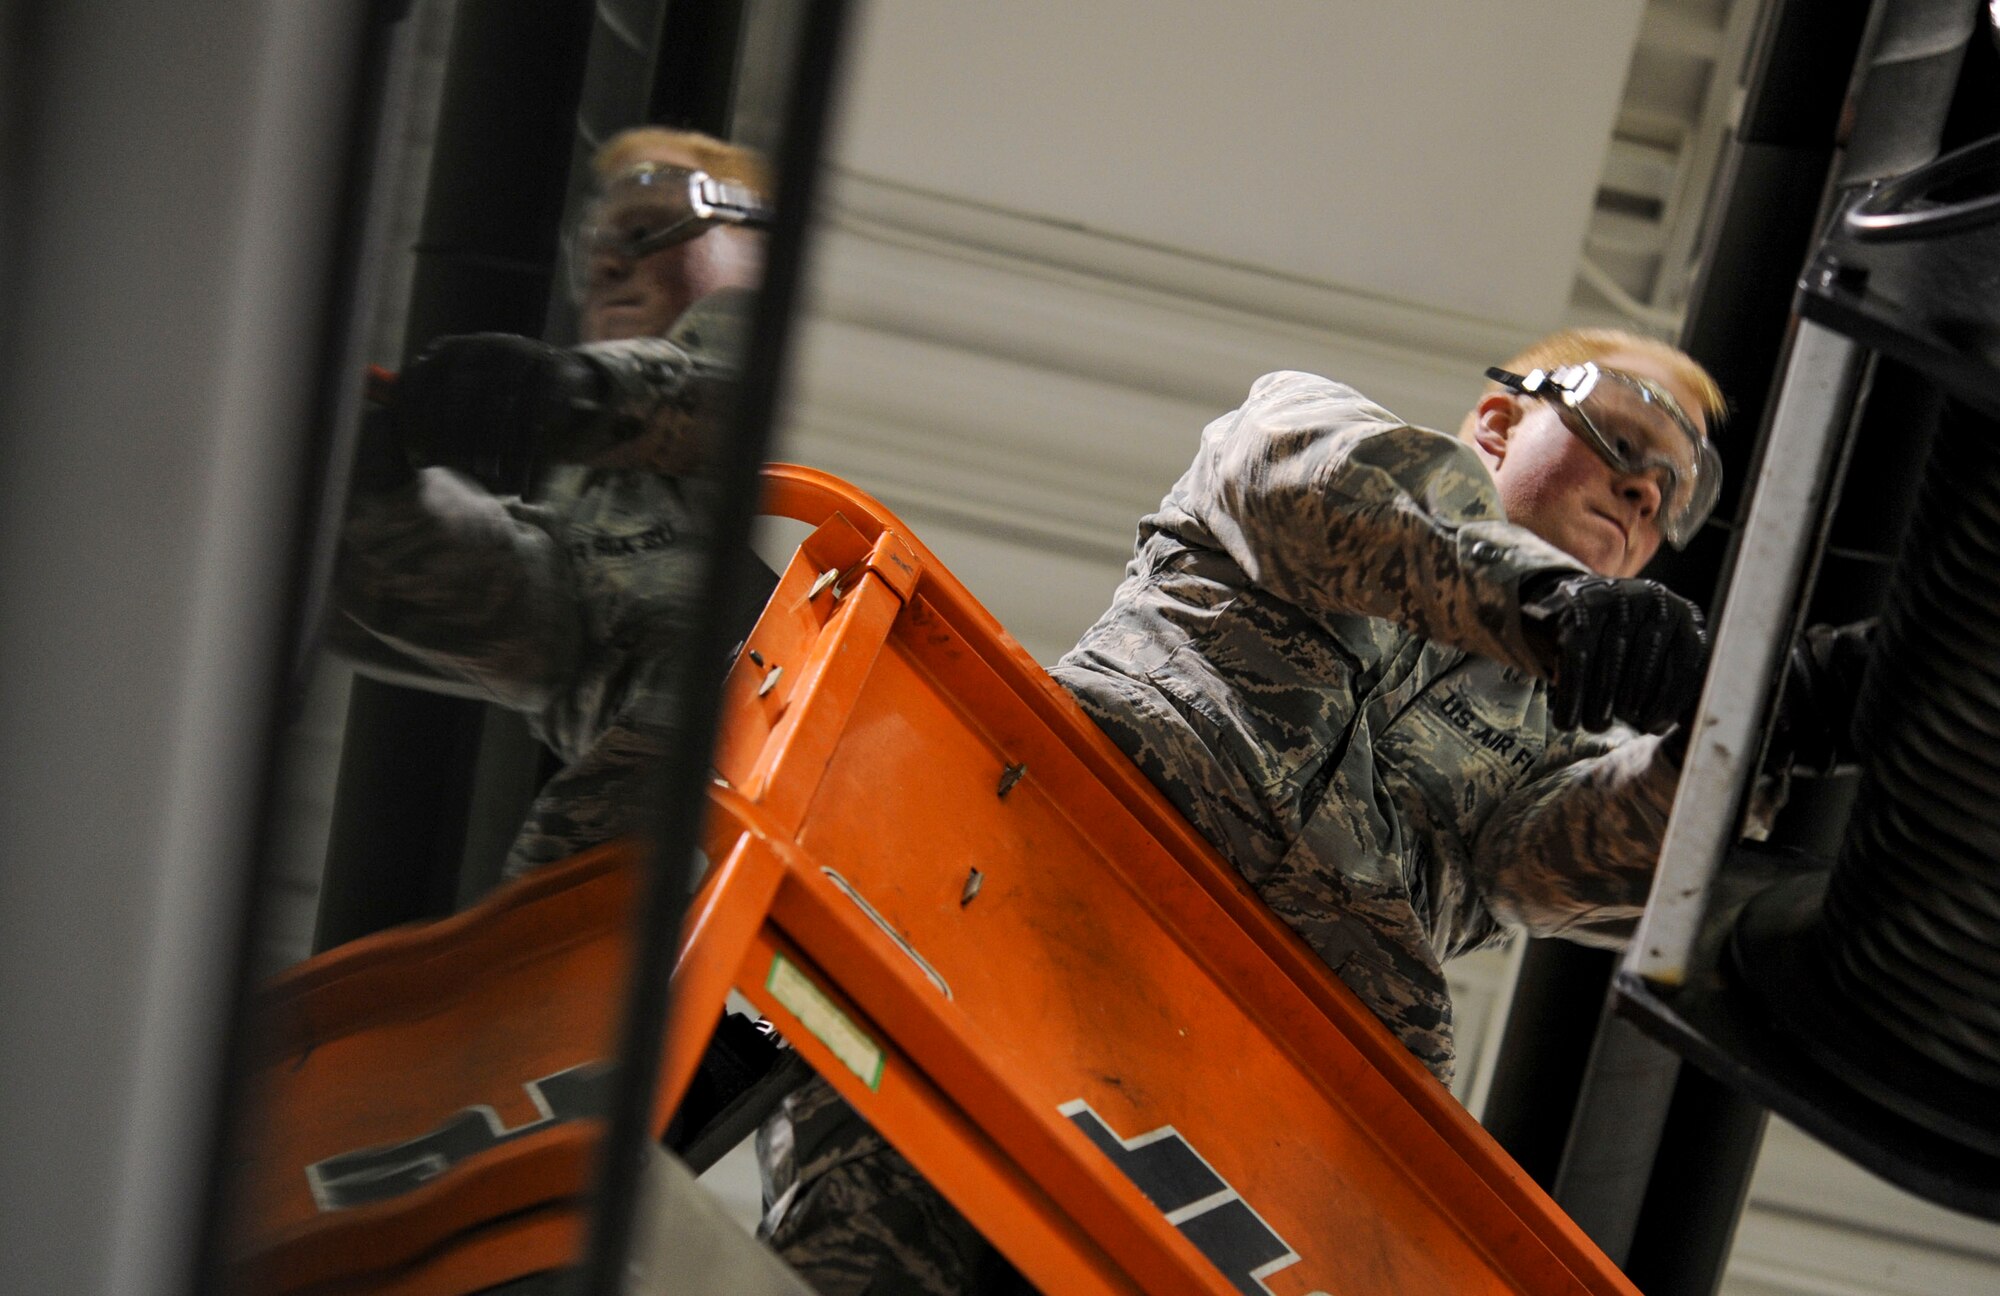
{"points": [[829, 1025]]}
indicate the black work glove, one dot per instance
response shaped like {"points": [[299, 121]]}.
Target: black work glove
{"points": [[1814, 728], [380, 463], [1625, 650], [489, 404]]}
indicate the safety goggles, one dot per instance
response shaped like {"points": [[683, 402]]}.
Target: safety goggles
{"points": [[653, 206], [1637, 428]]}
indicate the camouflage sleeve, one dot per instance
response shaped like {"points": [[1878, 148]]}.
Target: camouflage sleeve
{"points": [[666, 393], [1328, 501], [441, 583], [1571, 851]]}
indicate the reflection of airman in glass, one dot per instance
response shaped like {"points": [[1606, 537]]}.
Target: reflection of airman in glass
{"points": [[643, 206], [565, 607]]}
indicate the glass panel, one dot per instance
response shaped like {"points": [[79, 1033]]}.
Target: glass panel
{"points": [[519, 577]]}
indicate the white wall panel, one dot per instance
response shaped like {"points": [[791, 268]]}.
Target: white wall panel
{"points": [[1323, 139]]}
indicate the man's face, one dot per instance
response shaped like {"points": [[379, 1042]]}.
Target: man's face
{"points": [[626, 298], [1554, 484]]}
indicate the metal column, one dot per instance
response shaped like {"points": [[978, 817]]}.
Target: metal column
{"points": [[173, 205]]}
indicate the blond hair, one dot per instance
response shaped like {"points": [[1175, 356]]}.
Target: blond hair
{"points": [[721, 159], [1574, 346]]}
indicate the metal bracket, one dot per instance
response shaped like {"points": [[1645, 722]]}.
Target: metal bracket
{"points": [[1813, 411]]}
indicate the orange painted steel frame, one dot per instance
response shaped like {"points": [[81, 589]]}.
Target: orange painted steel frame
{"points": [[1105, 974], [380, 1041], [975, 918]]}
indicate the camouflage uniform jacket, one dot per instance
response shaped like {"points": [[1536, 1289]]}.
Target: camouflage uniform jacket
{"points": [[567, 609], [1316, 654]]}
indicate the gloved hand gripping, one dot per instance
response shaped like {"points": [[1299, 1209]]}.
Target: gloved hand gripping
{"points": [[1626, 650], [492, 404]]}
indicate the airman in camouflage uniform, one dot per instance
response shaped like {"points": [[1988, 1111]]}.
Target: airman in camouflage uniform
{"points": [[568, 608], [1317, 654]]}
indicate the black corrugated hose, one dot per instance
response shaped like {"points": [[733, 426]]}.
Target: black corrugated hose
{"points": [[1912, 917]]}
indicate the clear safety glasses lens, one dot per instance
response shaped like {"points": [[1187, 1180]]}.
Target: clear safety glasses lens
{"points": [[1636, 427], [651, 207]]}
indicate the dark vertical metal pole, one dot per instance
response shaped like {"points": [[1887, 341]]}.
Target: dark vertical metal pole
{"points": [[694, 80], [485, 262], [683, 778], [1544, 1049], [1680, 1242], [1614, 1134]]}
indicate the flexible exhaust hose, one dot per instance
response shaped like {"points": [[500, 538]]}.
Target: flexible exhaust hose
{"points": [[1912, 917]]}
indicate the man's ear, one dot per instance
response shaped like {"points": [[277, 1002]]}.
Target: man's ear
{"points": [[1493, 422]]}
